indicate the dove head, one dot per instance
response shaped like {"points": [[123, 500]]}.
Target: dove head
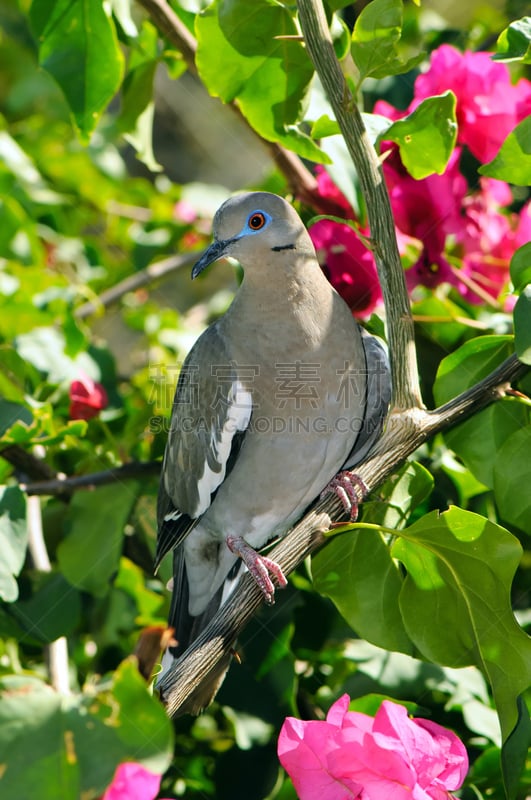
{"points": [[253, 227]]}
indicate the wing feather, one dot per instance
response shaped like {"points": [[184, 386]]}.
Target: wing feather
{"points": [[211, 412]]}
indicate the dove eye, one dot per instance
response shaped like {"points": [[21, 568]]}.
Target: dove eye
{"points": [[257, 220]]}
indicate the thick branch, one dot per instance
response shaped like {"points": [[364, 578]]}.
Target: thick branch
{"points": [[405, 432], [406, 389]]}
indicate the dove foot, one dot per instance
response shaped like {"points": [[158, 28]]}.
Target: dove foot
{"points": [[259, 566], [350, 489]]}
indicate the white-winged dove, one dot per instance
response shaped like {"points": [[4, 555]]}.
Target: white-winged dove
{"points": [[275, 398]]}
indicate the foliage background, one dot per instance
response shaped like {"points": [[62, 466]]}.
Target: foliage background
{"points": [[79, 213]]}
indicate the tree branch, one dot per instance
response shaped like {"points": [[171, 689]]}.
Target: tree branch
{"points": [[26, 464], [400, 332], [142, 278], [301, 181], [405, 432], [62, 485]]}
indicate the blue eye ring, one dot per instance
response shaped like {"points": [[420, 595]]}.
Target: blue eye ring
{"points": [[257, 220]]}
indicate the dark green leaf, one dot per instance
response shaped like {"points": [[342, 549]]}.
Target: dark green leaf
{"points": [[89, 555], [13, 540], [53, 610], [356, 571], [512, 476], [375, 40], [10, 413], [269, 77], [456, 602], [79, 48], [522, 325], [514, 43], [521, 267], [513, 162], [426, 137]]}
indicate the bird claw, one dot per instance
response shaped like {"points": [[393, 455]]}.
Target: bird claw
{"points": [[259, 566], [350, 489]]}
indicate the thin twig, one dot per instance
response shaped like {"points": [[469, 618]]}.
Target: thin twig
{"points": [[57, 651], [146, 276], [27, 464], [400, 331], [66, 485], [405, 432]]}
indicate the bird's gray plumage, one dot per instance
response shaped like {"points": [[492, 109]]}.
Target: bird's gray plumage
{"points": [[273, 400]]}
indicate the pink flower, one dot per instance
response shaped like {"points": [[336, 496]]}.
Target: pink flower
{"points": [[489, 238], [352, 755], [133, 782], [183, 211], [347, 263], [87, 398], [488, 105], [427, 210]]}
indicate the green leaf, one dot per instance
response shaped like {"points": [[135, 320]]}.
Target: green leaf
{"points": [[512, 473], [17, 377], [375, 40], [478, 439], [89, 556], [356, 571], [31, 722], [513, 162], [456, 602], [53, 610], [76, 743], [138, 725], [13, 540], [239, 58], [401, 494], [514, 43], [469, 364], [521, 267], [426, 137], [11, 413], [522, 325], [79, 48]]}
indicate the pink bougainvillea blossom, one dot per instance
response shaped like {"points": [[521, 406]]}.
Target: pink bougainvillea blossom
{"points": [[489, 238], [347, 263], [428, 210], [489, 106], [87, 398], [133, 782], [352, 755]]}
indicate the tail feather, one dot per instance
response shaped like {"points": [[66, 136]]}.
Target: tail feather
{"points": [[186, 629]]}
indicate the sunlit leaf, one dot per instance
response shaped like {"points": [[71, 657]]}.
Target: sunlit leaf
{"points": [[513, 162], [426, 137], [456, 602], [375, 40], [79, 48], [269, 77], [514, 43]]}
